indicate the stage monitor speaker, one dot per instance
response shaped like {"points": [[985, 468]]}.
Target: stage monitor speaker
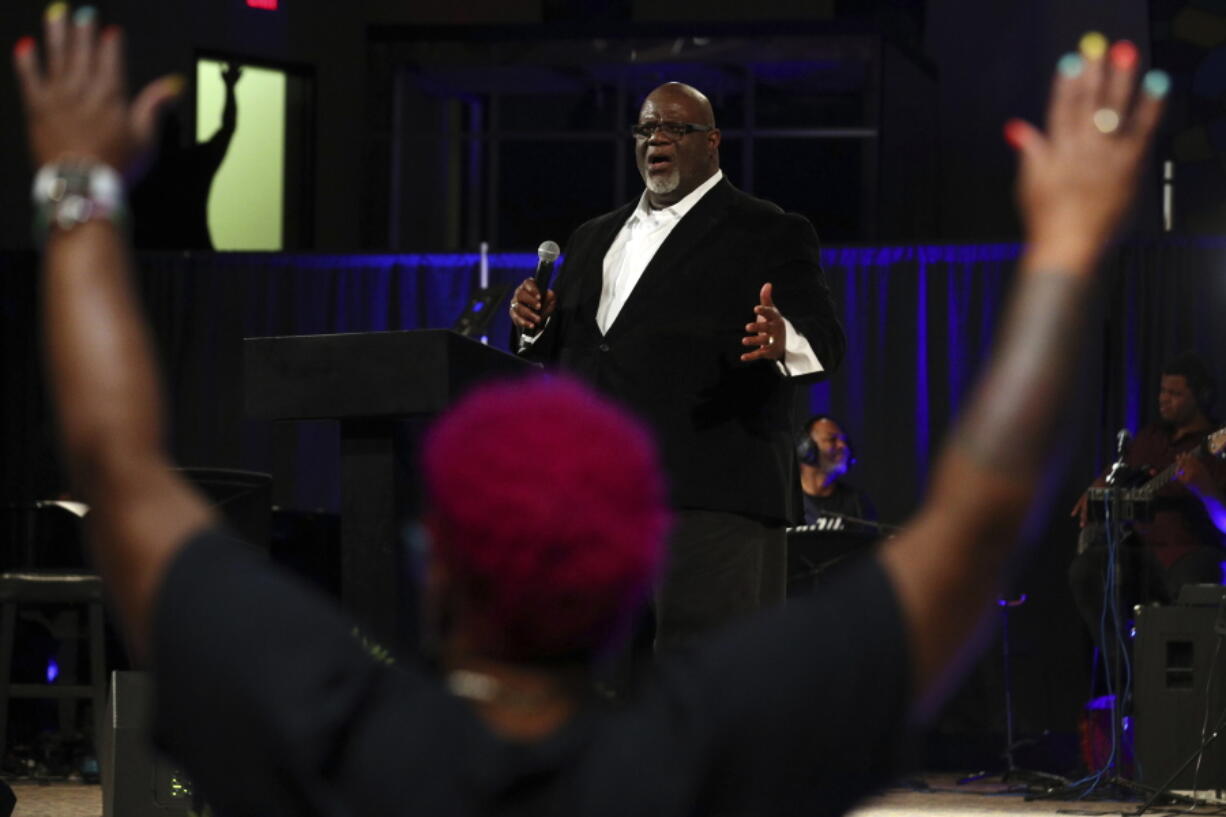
{"points": [[136, 781], [1175, 653]]}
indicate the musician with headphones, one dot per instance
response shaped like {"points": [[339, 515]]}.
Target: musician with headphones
{"points": [[1180, 544], [825, 454]]}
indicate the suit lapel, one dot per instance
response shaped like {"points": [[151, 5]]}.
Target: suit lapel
{"points": [[689, 233], [591, 265]]}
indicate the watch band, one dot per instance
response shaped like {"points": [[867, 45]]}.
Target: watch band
{"points": [[67, 194]]}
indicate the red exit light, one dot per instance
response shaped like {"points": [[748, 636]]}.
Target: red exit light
{"points": [[266, 5]]}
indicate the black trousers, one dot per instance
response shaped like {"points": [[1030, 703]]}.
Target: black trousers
{"points": [[721, 566]]}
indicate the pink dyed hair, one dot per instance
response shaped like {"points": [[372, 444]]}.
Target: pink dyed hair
{"points": [[548, 509]]}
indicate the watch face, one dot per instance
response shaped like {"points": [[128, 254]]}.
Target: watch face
{"points": [[58, 182], [71, 180]]}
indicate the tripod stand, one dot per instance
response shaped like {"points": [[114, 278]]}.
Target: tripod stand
{"points": [[1012, 773]]}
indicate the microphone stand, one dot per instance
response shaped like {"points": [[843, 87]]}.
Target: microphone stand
{"points": [[1012, 773], [1122, 438], [1109, 780], [1043, 785]]}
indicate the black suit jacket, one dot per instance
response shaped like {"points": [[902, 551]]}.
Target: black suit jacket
{"points": [[725, 428]]}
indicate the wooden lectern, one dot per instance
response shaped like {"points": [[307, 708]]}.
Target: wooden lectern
{"points": [[371, 382]]}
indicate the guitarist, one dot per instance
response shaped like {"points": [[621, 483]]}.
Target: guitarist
{"points": [[1180, 545]]}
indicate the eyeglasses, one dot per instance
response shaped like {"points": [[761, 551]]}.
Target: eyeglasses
{"points": [[674, 130]]}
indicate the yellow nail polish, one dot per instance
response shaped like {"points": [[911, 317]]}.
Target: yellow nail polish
{"points": [[56, 11], [175, 83], [1093, 45]]}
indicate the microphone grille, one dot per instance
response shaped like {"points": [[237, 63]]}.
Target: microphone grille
{"points": [[548, 251]]}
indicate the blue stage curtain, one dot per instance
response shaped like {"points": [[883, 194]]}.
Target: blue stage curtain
{"points": [[919, 322], [1164, 298]]}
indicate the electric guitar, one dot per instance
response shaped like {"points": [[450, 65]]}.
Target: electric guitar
{"points": [[1136, 502]]}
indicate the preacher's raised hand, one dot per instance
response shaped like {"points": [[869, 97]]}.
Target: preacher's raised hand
{"points": [[75, 102], [1076, 181], [768, 332]]}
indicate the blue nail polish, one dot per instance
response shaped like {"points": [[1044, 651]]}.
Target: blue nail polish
{"points": [[1157, 83], [84, 15], [1070, 65]]}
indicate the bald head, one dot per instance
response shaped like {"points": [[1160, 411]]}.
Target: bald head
{"points": [[674, 164], [687, 96]]}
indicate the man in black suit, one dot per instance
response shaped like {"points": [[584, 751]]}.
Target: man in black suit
{"points": [[651, 307]]}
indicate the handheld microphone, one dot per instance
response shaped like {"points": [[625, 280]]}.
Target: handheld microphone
{"points": [[547, 253]]}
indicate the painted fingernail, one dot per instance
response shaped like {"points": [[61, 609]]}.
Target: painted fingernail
{"points": [[1123, 55], [1015, 130], [23, 46], [56, 11], [84, 15], [1093, 45], [1157, 83], [1070, 65], [175, 83]]}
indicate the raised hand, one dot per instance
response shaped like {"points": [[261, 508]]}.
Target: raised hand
{"points": [[231, 74], [526, 307], [77, 107], [768, 332], [1077, 179]]}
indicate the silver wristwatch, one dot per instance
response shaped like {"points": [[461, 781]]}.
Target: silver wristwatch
{"points": [[67, 194]]}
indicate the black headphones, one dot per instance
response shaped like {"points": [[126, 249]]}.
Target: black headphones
{"points": [[806, 449]]}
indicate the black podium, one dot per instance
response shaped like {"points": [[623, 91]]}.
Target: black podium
{"points": [[372, 382]]}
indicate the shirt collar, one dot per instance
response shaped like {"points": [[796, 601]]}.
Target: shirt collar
{"points": [[675, 211]]}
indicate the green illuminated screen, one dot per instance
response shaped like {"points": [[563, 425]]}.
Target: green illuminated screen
{"points": [[246, 201]]}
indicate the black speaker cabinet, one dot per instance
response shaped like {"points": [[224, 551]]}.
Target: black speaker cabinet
{"points": [[1175, 652], [136, 781]]}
